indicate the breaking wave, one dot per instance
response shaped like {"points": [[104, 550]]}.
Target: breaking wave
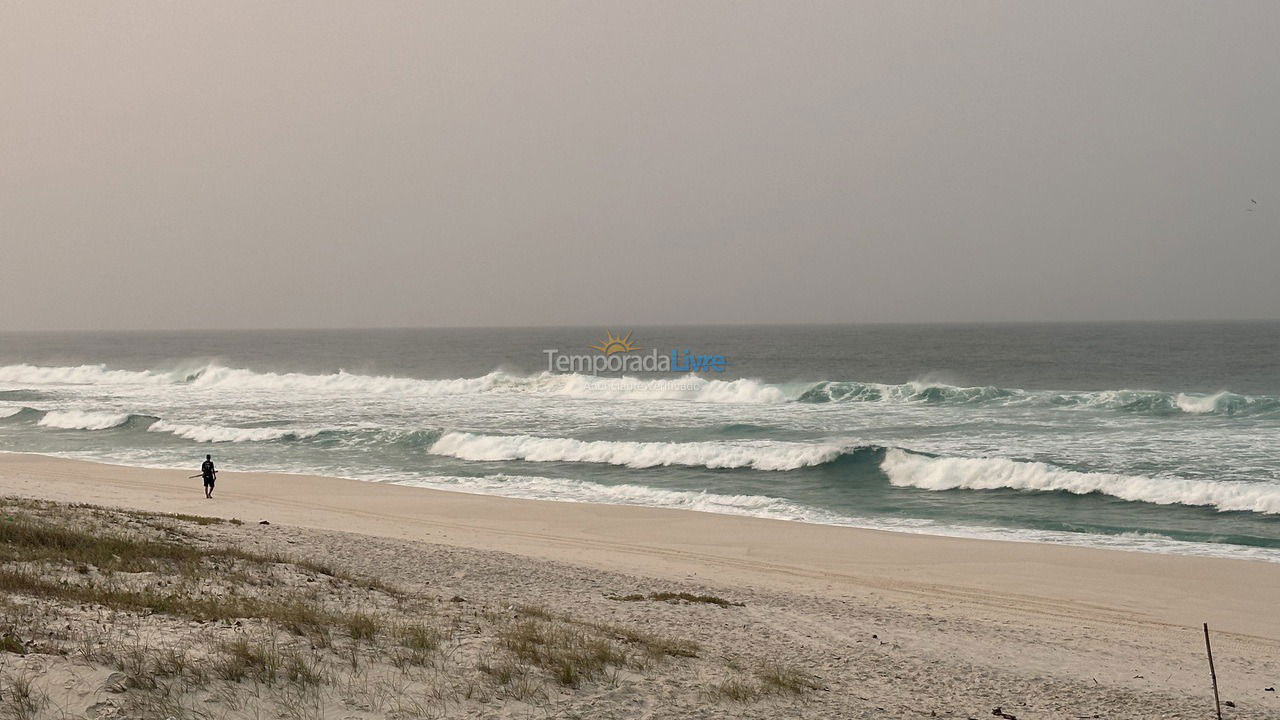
{"points": [[825, 392], [83, 375], [82, 420], [756, 455], [907, 469], [1138, 401], [98, 420], [222, 434], [1162, 403], [691, 388], [215, 377]]}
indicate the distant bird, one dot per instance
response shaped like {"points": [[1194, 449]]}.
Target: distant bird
{"points": [[1255, 202]]}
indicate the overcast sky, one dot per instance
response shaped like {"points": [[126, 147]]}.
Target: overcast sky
{"points": [[325, 164]]}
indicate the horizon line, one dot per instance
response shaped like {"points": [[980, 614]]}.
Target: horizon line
{"points": [[872, 323]]}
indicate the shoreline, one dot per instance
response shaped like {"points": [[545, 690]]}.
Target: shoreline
{"points": [[1159, 544], [976, 577]]}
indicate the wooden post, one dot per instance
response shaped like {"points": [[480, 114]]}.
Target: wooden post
{"points": [[1212, 673]]}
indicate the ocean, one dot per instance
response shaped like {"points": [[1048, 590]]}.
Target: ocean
{"points": [[1153, 437]]}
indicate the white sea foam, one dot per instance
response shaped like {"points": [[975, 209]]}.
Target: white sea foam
{"points": [[216, 377], [907, 469], [691, 388], [1201, 404], [1141, 401], [575, 386], [341, 382], [82, 375], [567, 490], [1196, 405], [685, 388], [220, 434], [82, 420], [758, 455]]}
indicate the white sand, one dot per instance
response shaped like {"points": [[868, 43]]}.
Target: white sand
{"points": [[1048, 631]]}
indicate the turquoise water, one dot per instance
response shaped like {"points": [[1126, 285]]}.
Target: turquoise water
{"points": [[1156, 437]]}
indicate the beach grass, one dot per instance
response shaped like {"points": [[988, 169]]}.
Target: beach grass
{"points": [[177, 614]]}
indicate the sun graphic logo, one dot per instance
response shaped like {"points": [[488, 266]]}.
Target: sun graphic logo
{"points": [[611, 344]]}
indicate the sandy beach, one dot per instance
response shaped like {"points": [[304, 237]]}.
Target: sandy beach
{"points": [[891, 625], [612, 360]]}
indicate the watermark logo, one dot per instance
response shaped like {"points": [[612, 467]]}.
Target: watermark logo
{"points": [[619, 353], [611, 344]]}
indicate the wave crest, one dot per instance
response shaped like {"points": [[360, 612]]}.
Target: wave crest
{"points": [[831, 391], [84, 375], [906, 469], [1154, 402], [690, 388], [222, 434], [82, 420], [569, 385], [714, 455], [216, 377]]}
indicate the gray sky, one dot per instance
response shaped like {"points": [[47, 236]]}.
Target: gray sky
{"points": [[249, 164]]}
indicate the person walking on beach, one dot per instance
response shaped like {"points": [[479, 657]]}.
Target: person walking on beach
{"points": [[209, 473]]}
